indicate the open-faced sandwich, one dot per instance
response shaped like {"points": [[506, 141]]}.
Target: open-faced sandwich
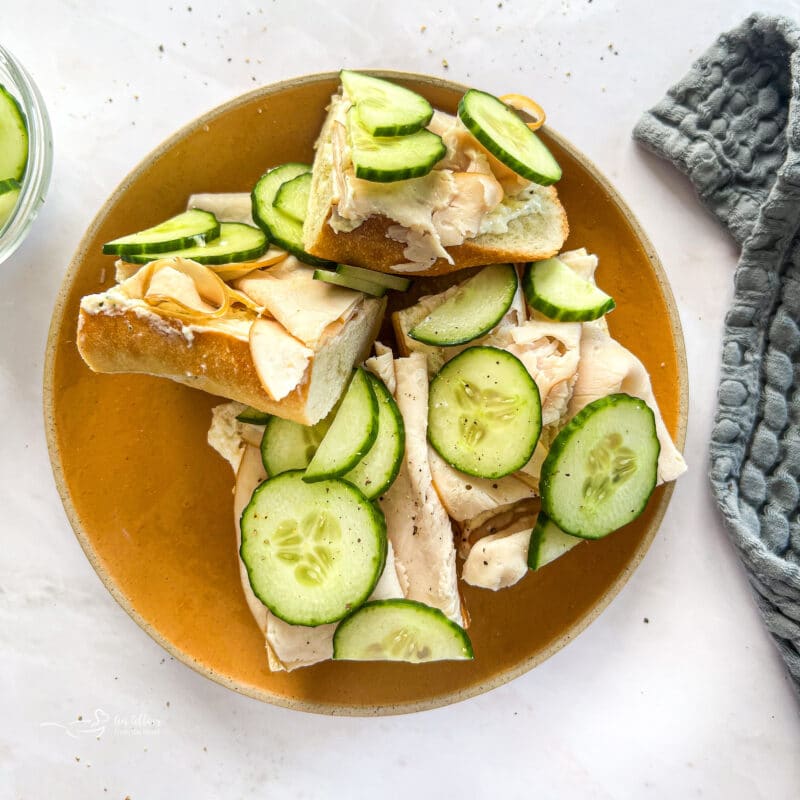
{"points": [[502, 427]]}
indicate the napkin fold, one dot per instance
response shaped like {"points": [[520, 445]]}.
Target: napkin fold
{"points": [[732, 125]]}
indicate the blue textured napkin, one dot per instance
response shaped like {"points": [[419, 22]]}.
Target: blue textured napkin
{"points": [[732, 124]]}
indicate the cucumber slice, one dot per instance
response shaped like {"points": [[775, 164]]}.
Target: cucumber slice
{"points": [[358, 284], [376, 472], [313, 552], [484, 414], [193, 227], [13, 137], [236, 242], [253, 416], [552, 288], [548, 542], [288, 445], [400, 630], [282, 229], [9, 194], [392, 158], [396, 282], [292, 197], [473, 310], [384, 108], [601, 468], [351, 434], [507, 137]]}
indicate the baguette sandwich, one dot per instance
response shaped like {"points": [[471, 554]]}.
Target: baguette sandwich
{"points": [[274, 339], [470, 209]]}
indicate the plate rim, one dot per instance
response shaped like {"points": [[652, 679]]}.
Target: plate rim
{"points": [[498, 679]]}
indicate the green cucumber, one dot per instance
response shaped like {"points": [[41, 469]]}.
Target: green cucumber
{"points": [[9, 194], [236, 242], [282, 229], [602, 467], [400, 630], [548, 542], [358, 284], [384, 108], [292, 197], [507, 137], [397, 282], [484, 414], [376, 471], [473, 310], [392, 158], [193, 227], [253, 416], [351, 434], [559, 293], [13, 137], [313, 552], [288, 445]]}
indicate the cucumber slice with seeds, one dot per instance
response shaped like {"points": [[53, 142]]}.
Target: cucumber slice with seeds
{"points": [[288, 445], [313, 552], [384, 108], [392, 158], [292, 197], [553, 289], [236, 242], [507, 137], [193, 227], [396, 282], [13, 137], [400, 630], [282, 229], [473, 310], [548, 542], [358, 284], [602, 467], [484, 414], [253, 416], [351, 434], [376, 471], [9, 195]]}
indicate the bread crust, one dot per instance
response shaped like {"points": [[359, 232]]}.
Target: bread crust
{"points": [[369, 246], [214, 361]]}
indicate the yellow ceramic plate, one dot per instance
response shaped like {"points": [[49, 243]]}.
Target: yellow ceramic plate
{"points": [[150, 502]]}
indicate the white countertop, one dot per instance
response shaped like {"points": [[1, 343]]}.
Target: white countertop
{"points": [[693, 703]]}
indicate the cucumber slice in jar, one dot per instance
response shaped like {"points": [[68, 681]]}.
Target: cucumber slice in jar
{"points": [[384, 108], [400, 630], [292, 197], [507, 137], [351, 434], [13, 137], [282, 229], [602, 467], [236, 242], [376, 471], [484, 413], [188, 229], [288, 445], [358, 284], [313, 552], [473, 310], [386, 159], [553, 289], [396, 282], [548, 542], [9, 194]]}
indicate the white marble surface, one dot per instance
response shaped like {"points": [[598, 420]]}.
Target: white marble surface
{"points": [[695, 703]]}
